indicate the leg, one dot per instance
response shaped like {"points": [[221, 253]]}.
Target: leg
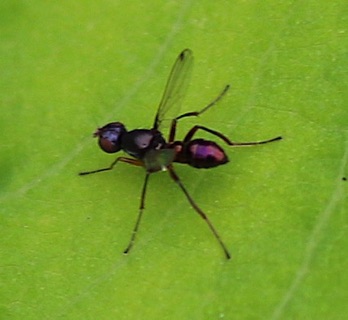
{"points": [[177, 180], [191, 133], [194, 114], [135, 162], [140, 214]]}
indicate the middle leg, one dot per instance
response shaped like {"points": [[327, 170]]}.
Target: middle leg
{"points": [[193, 114], [140, 214]]}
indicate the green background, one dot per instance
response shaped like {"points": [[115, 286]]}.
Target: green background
{"points": [[68, 67]]}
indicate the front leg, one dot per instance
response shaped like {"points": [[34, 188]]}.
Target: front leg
{"points": [[134, 162]]}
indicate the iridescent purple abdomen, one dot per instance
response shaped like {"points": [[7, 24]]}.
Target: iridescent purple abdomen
{"points": [[201, 153]]}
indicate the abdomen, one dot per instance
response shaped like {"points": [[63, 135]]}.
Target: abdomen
{"points": [[200, 153]]}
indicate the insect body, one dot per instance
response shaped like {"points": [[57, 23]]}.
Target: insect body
{"points": [[149, 149]]}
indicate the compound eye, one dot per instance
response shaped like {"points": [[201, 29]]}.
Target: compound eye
{"points": [[110, 137], [108, 146]]}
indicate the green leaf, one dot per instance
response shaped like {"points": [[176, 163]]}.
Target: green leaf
{"points": [[281, 208]]}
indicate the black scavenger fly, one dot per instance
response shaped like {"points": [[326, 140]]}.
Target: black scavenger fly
{"points": [[150, 150]]}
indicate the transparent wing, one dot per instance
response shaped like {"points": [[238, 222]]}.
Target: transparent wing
{"points": [[175, 88], [157, 160]]}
